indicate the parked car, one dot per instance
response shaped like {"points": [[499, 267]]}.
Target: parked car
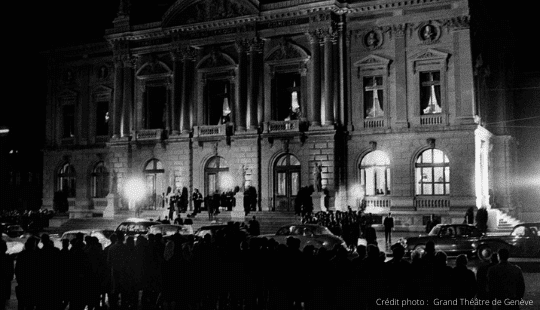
{"points": [[69, 235], [14, 245], [212, 229], [135, 227], [453, 239], [168, 229], [14, 230], [523, 241], [309, 234]]}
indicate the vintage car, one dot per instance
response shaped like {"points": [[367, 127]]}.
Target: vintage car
{"points": [[309, 234], [168, 229], [523, 241], [101, 235], [453, 239], [135, 227]]}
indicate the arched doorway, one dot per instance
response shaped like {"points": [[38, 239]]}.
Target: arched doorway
{"points": [[286, 182], [216, 176], [154, 174]]}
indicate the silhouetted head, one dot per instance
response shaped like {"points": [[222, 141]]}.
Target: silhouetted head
{"points": [[504, 254], [462, 260], [430, 247], [494, 258]]}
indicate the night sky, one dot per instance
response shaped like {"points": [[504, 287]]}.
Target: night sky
{"points": [[41, 25]]}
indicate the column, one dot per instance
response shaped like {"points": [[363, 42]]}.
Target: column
{"points": [[329, 41], [240, 104], [127, 96], [255, 53], [315, 104], [342, 75], [401, 76], [118, 95], [184, 107], [176, 92]]}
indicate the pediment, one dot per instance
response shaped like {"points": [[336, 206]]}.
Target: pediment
{"points": [[430, 54], [215, 59], [102, 89], [373, 63], [286, 50], [372, 60], [184, 12], [67, 94], [153, 67]]}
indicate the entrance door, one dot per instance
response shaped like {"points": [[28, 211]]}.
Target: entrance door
{"points": [[216, 176], [154, 173], [286, 182]]}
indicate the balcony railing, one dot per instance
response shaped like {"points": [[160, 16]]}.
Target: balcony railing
{"points": [[374, 123], [432, 203], [282, 126], [149, 134], [210, 130], [376, 204], [429, 120]]}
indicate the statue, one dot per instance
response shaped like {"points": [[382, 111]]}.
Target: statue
{"points": [[114, 181], [243, 172], [317, 181]]}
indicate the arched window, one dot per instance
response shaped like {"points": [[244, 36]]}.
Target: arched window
{"points": [[375, 174], [155, 184], [286, 182], [66, 180], [100, 181], [216, 176], [432, 173]]}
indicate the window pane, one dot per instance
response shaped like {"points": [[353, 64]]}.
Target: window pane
{"points": [[370, 181], [281, 186], [295, 183], [438, 172], [438, 156], [380, 180], [439, 189], [426, 175], [447, 174], [418, 181], [159, 165], [447, 189], [388, 181], [211, 183], [362, 176], [427, 189], [294, 161], [427, 157]]}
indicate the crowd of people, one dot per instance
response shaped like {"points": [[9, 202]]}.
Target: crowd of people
{"points": [[229, 271]]}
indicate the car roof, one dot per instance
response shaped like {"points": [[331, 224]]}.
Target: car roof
{"points": [[528, 224], [303, 225], [138, 220]]}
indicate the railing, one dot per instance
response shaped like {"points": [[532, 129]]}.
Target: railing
{"points": [[100, 202], [149, 134], [71, 202], [210, 130], [432, 203], [428, 120], [374, 123], [283, 126], [376, 204]]}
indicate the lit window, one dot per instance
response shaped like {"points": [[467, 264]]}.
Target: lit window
{"points": [[375, 174], [430, 92], [373, 96], [286, 96], [218, 107], [432, 173], [66, 180], [68, 117], [100, 181]]}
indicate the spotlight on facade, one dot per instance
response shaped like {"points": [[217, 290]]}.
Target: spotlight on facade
{"points": [[135, 191], [356, 194], [226, 182], [4, 131]]}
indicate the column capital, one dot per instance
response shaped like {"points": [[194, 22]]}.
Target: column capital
{"points": [[256, 46], [328, 35], [242, 45], [314, 36], [130, 61], [459, 22], [399, 30]]}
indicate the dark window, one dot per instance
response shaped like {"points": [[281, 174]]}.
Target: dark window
{"points": [[100, 181], [286, 96], [66, 180], [68, 115], [430, 92], [218, 107], [373, 96], [156, 101], [102, 119]]}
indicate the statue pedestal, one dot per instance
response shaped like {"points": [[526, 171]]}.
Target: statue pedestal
{"points": [[237, 213], [112, 206], [318, 202]]}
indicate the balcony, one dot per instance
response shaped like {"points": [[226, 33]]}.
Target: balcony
{"points": [[427, 203], [212, 131], [149, 134], [377, 204], [430, 120], [283, 126], [370, 123]]}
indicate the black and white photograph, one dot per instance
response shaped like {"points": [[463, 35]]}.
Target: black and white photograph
{"points": [[270, 155]]}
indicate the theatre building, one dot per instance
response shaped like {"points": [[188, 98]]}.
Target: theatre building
{"points": [[382, 105]]}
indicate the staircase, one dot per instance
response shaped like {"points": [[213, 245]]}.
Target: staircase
{"points": [[505, 222]]}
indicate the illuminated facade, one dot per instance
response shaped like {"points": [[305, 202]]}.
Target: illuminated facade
{"points": [[383, 97]]}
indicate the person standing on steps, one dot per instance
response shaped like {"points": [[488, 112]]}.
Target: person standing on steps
{"points": [[388, 227]]}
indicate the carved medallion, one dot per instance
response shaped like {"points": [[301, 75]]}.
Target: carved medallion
{"points": [[429, 33], [373, 39]]}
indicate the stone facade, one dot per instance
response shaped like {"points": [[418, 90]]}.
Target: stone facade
{"points": [[390, 76]]}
